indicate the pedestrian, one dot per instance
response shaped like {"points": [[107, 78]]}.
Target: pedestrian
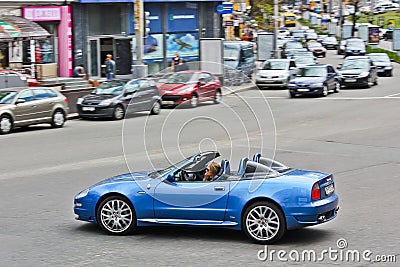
{"points": [[175, 62], [110, 67], [79, 72]]}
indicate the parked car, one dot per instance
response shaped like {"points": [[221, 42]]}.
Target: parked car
{"points": [[115, 98], [355, 47], [316, 48], [383, 63], [275, 73], [330, 42], [191, 87], [31, 105], [317, 79], [285, 198], [358, 71], [11, 78]]}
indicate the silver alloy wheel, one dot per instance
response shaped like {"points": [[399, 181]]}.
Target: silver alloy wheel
{"points": [[337, 88], [217, 98], [116, 216], [156, 108], [325, 91], [58, 119], [194, 101], [119, 113], [262, 223], [5, 125]]}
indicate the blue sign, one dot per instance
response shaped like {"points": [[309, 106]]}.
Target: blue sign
{"points": [[225, 8], [182, 17]]}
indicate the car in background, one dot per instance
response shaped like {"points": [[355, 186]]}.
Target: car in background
{"points": [[311, 36], [341, 47], [240, 56], [191, 87], [285, 198], [303, 60], [317, 79], [21, 107], [298, 35], [317, 48], [275, 73], [355, 47], [116, 98], [290, 47], [383, 63], [330, 42], [358, 71]]}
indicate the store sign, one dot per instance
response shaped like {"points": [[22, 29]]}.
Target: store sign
{"points": [[10, 29], [42, 13], [182, 17]]}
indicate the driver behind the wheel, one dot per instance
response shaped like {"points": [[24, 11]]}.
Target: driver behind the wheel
{"points": [[211, 171]]}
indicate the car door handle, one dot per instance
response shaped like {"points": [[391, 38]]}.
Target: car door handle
{"points": [[219, 188]]}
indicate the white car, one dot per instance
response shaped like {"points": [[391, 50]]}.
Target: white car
{"points": [[275, 73]]}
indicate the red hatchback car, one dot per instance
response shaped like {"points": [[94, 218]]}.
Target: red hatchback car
{"points": [[191, 87]]}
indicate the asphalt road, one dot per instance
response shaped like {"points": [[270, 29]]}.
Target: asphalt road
{"points": [[353, 134]]}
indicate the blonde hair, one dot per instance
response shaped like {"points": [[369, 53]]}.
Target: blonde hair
{"points": [[109, 56], [214, 168]]}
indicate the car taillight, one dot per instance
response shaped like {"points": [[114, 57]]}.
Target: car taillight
{"points": [[66, 100], [315, 192]]}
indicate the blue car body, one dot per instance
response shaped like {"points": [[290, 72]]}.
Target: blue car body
{"points": [[168, 199]]}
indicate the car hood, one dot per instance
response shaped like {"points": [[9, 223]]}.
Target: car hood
{"points": [[97, 98], [174, 87], [355, 48], [382, 64], [134, 176], [353, 71], [273, 72], [307, 80]]}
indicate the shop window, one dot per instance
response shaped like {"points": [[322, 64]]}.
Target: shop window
{"points": [[44, 51]]}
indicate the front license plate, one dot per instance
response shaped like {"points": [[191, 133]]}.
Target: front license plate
{"points": [[168, 102], [329, 189], [88, 108], [303, 90], [350, 80]]}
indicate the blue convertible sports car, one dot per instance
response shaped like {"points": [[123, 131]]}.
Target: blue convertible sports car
{"points": [[264, 198]]}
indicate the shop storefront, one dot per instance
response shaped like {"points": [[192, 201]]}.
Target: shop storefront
{"points": [[57, 49], [175, 26]]}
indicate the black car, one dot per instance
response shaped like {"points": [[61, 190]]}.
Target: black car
{"points": [[115, 98], [383, 63], [317, 79], [358, 72]]}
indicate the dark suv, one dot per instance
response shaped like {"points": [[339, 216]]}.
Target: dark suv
{"points": [[117, 97]]}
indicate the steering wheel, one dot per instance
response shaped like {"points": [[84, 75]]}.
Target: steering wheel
{"points": [[188, 176]]}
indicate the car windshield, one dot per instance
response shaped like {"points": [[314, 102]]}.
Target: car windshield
{"points": [[330, 39], [304, 60], [182, 78], [355, 44], [312, 72], [275, 65], [298, 34], [315, 44], [160, 173], [380, 58], [293, 45], [109, 88], [231, 53], [355, 64], [7, 97]]}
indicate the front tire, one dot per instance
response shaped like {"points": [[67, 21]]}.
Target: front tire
{"points": [[118, 113], [217, 97], [58, 119], [155, 110], [116, 216], [337, 87], [264, 223], [194, 101], [324, 92], [6, 124]]}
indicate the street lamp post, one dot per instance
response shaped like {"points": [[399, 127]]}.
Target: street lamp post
{"points": [[139, 31], [275, 28]]}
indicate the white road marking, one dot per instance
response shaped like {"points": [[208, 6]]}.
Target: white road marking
{"points": [[325, 98]]}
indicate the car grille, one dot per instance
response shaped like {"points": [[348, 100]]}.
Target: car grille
{"points": [[170, 98], [91, 103], [350, 75], [270, 77]]}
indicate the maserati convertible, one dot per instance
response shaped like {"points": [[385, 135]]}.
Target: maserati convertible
{"points": [[264, 198]]}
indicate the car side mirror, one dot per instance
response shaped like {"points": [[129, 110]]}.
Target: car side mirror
{"points": [[201, 83], [19, 101]]}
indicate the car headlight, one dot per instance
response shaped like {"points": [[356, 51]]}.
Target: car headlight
{"points": [[364, 74], [79, 101], [317, 85], [388, 68], [185, 91], [292, 85], [82, 194], [105, 103]]}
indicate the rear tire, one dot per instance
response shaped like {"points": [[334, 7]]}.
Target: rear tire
{"points": [[6, 124], [194, 101], [217, 97], [324, 92], [264, 223], [118, 113], [155, 110], [58, 119], [292, 95]]}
